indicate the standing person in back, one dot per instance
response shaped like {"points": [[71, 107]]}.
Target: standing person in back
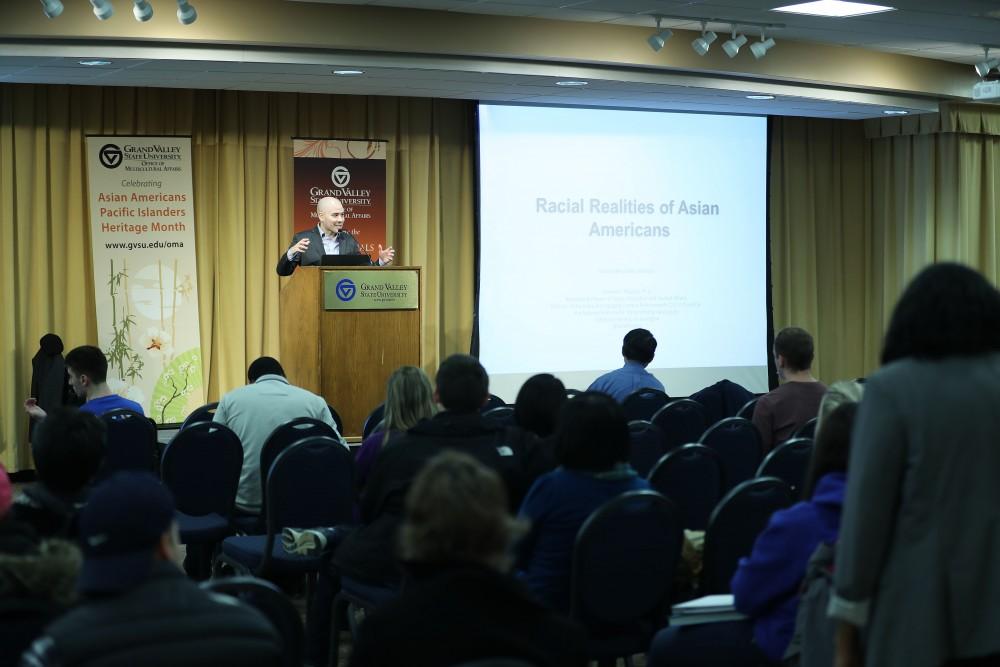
{"points": [[916, 563], [638, 349], [253, 412], [88, 376], [781, 412]]}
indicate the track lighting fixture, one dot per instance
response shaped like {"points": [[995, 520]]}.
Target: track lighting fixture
{"points": [[732, 46], [983, 68], [703, 43], [102, 9], [660, 37], [52, 8], [143, 11], [186, 14], [760, 49]]}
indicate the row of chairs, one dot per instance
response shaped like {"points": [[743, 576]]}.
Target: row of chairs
{"points": [[694, 476]]}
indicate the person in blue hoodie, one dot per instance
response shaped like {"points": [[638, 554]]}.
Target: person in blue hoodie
{"points": [[766, 584]]}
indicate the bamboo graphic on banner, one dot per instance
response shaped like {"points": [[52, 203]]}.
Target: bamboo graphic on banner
{"points": [[121, 355]]}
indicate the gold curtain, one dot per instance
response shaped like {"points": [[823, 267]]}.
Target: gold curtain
{"points": [[243, 210], [858, 208]]}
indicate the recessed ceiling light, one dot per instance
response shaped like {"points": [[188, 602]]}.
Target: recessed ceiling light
{"points": [[834, 8], [348, 72], [894, 112], [760, 97], [571, 83], [95, 63]]}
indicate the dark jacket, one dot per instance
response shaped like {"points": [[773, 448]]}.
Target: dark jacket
{"points": [[37, 583], [313, 255], [369, 553], [50, 514], [165, 621], [766, 585], [722, 399], [465, 612]]}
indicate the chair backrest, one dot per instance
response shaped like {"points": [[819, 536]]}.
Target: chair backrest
{"points": [[643, 403], [646, 445], [682, 421], [494, 401], [205, 413], [374, 419], [570, 393], [747, 410], [310, 483], [690, 476], [737, 441], [131, 442], [201, 467], [283, 437], [268, 599], [503, 414], [624, 560], [336, 419], [734, 526], [807, 430], [788, 462]]}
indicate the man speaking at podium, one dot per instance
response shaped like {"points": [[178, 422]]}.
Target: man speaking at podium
{"points": [[326, 238]]}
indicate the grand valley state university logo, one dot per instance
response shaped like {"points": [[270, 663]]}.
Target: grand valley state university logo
{"points": [[346, 289], [110, 156]]}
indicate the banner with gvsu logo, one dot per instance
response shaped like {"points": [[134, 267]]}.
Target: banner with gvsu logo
{"points": [[145, 273], [353, 171]]}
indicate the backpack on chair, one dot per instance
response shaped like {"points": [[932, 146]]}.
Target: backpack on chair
{"points": [[812, 644]]}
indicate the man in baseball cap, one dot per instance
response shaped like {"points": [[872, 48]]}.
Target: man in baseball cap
{"points": [[138, 606]]}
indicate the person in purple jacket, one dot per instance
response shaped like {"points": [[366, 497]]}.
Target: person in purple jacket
{"points": [[409, 399], [766, 584]]}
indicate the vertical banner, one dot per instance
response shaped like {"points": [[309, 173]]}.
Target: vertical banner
{"points": [[353, 171], [145, 273]]}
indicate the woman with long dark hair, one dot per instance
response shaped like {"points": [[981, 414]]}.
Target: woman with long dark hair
{"points": [[916, 561]]}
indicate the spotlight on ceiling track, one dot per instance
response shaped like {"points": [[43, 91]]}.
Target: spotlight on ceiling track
{"points": [[703, 43], [143, 11], [760, 49], [52, 8], [983, 68], [660, 37], [732, 46], [102, 9], [186, 14]]}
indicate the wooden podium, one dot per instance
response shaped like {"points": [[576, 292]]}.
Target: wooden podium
{"points": [[346, 354]]}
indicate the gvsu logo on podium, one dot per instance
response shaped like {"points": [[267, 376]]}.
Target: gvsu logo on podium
{"points": [[110, 156], [346, 289]]}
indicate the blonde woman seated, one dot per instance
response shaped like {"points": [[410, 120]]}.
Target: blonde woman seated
{"points": [[459, 603], [409, 399]]}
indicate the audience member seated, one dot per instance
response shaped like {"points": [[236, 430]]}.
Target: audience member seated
{"points": [[779, 413], [368, 554], [88, 376], [459, 603], [255, 410], [462, 388], [138, 608], [68, 449], [766, 585], [409, 399], [638, 349], [37, 580], [916, 560], [592, 448]]}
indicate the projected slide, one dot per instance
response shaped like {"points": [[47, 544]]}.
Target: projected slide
{"points": [[595, 222]]}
